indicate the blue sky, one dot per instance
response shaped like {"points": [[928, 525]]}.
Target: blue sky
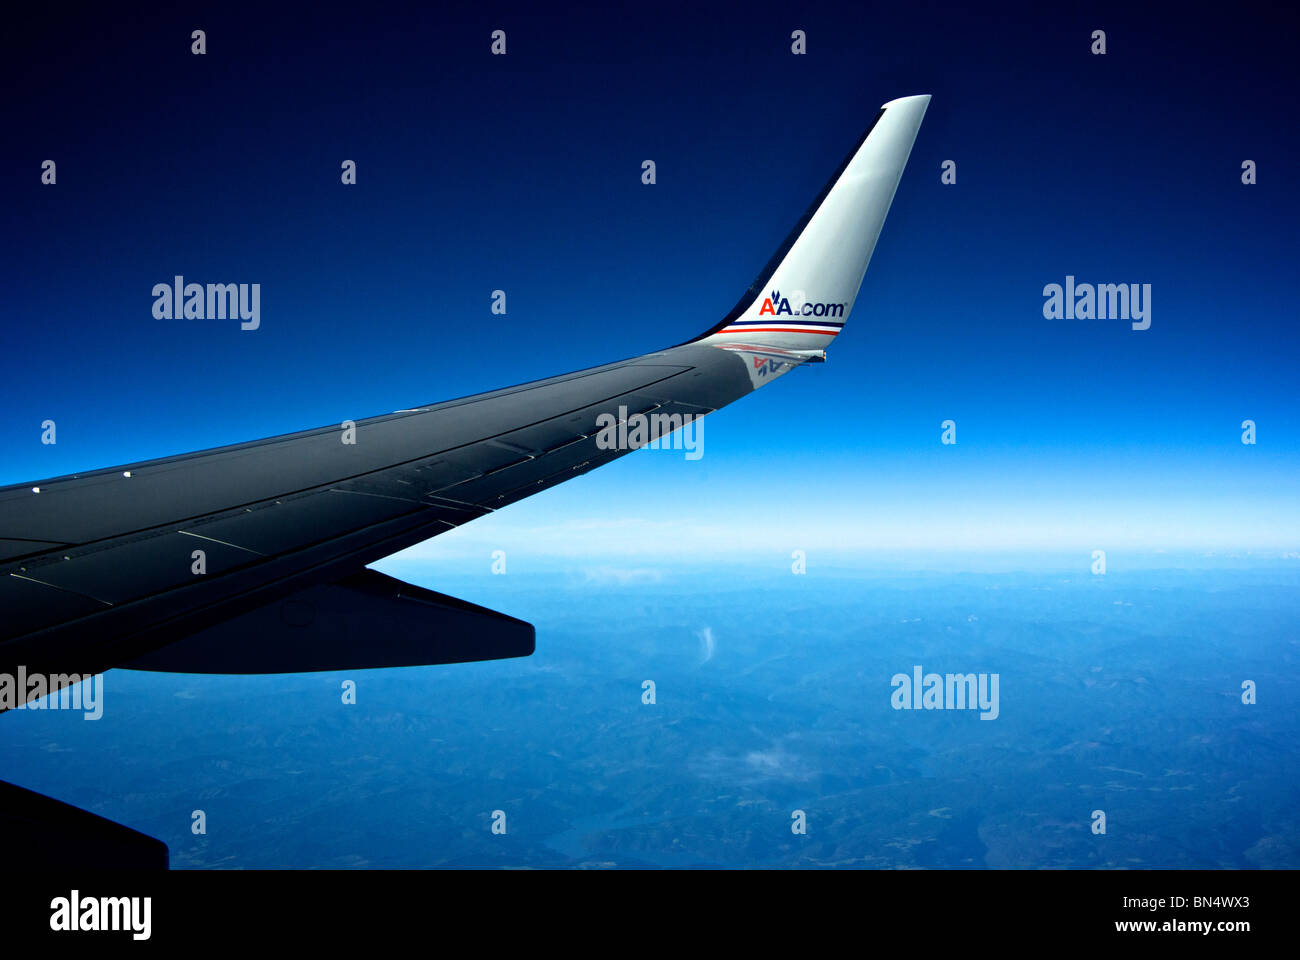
{"points": [[522, 173]]}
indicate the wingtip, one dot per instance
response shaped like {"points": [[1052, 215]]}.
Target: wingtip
{"points": [[920, 98]]}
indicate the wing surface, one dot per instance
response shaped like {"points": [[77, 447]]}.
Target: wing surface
{"points": [[111, 567]]}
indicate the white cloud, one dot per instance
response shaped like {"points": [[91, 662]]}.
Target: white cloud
{"points": [[707, 645]]}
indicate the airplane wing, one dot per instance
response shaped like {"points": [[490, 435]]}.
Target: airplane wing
{"points": [[252, 558]]}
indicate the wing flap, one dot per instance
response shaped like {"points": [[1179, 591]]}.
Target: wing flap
{"points": [[278, 526]]}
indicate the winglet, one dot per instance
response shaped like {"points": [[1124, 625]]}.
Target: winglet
{"points": [[802, 298]]}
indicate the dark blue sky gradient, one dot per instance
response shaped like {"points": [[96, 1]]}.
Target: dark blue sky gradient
{"points": [[523, 173]]}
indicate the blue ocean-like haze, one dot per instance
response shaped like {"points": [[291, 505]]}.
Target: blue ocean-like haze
{"points": [[1119, 693]]}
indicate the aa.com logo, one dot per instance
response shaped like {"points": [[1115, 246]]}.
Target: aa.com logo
{"points": [[777, 306]]}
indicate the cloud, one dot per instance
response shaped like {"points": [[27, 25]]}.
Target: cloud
{"points": [[706, 644], [754, 766]]}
